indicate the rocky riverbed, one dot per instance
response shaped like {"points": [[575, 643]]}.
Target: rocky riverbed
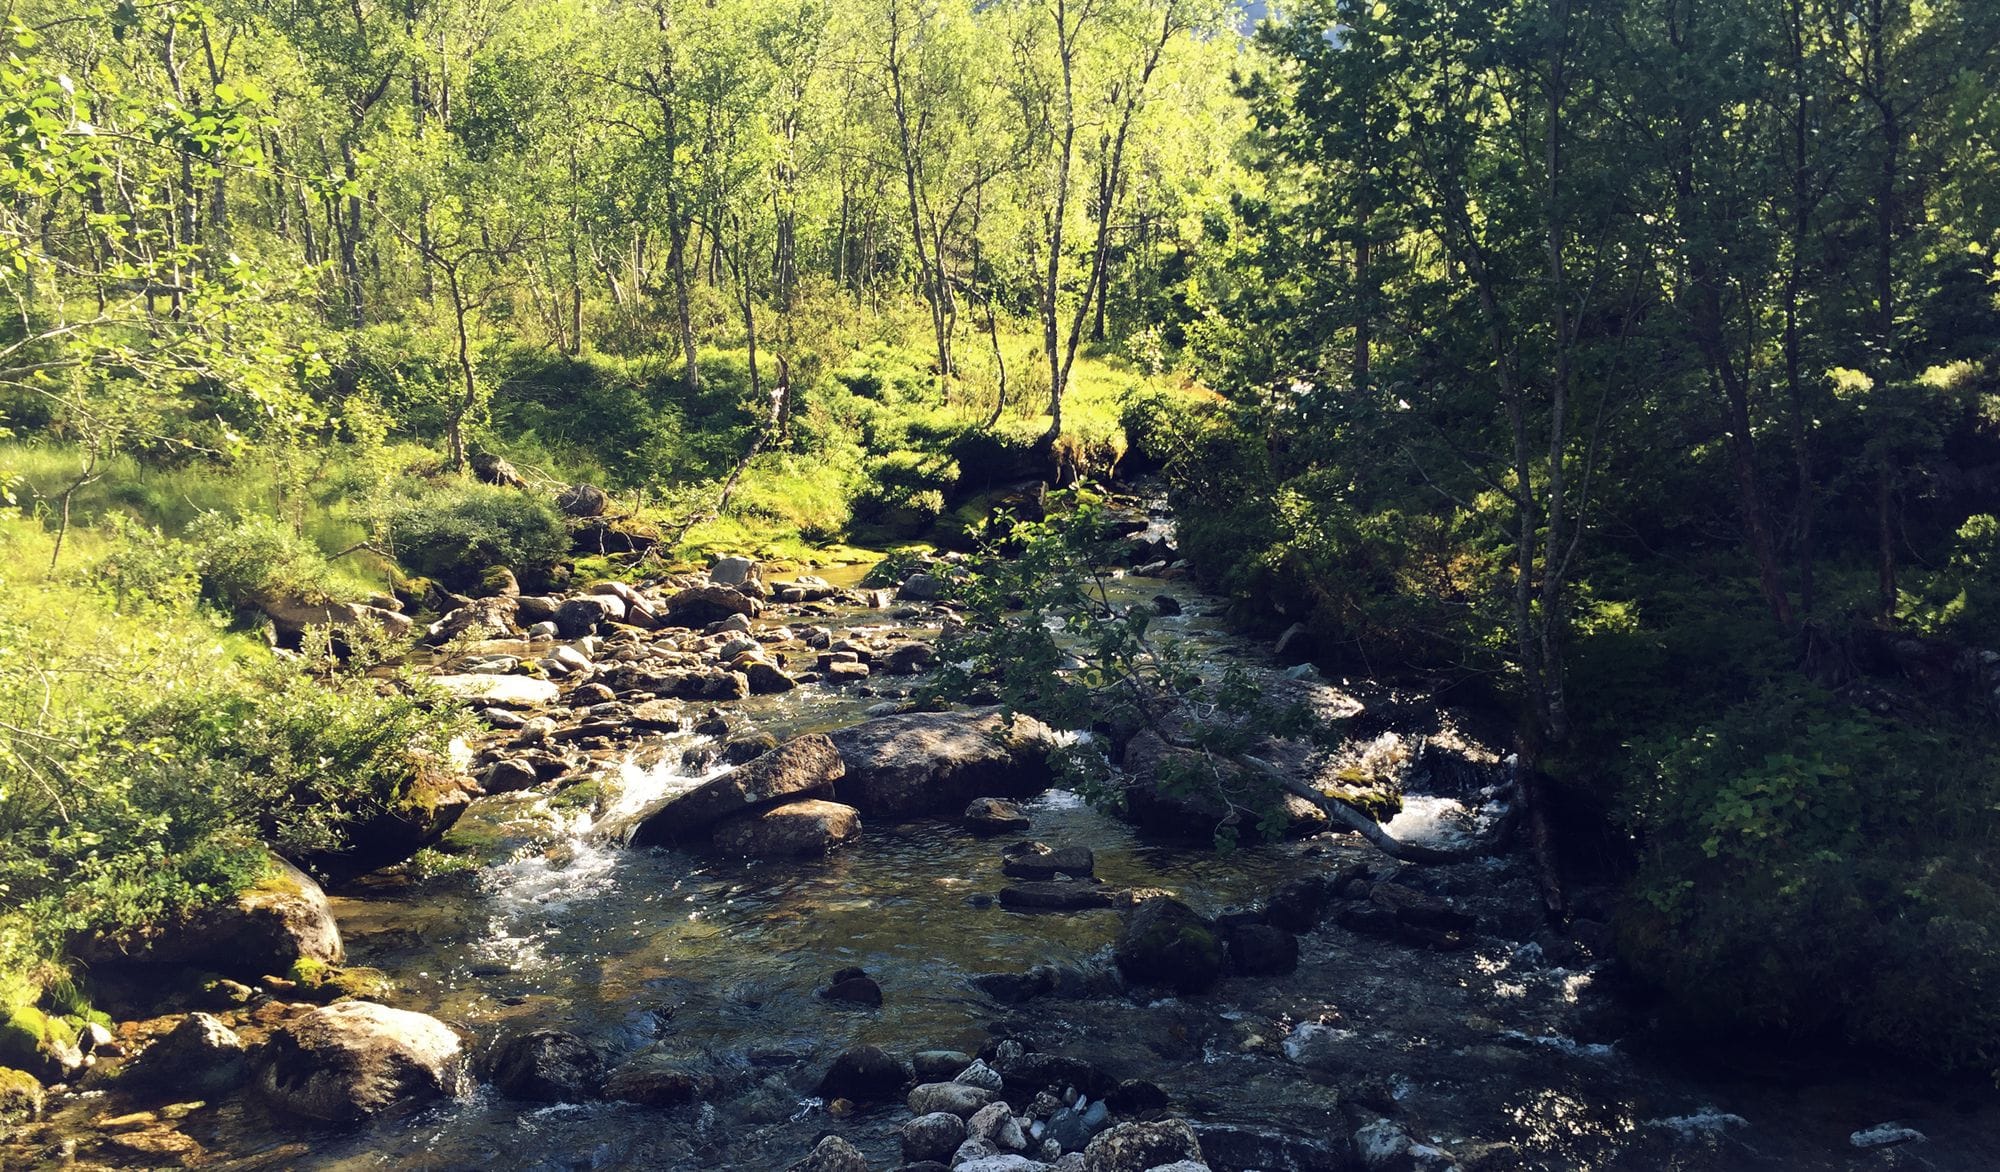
{"points": [[729, 906]]}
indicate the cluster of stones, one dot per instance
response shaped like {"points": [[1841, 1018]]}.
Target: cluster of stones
{"points": [[565, 683], [1011, 1109]]}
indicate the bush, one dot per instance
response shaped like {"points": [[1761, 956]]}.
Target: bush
{"points": [[245, 560], [155, 756], [1809, 867], [456, 530]]}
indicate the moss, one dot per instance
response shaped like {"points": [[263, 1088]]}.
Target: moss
{"points": [[1378, 802], [20, 1095], [327, 982], [28, 1035], [581, 796]]}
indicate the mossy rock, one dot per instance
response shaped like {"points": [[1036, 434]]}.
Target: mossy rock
{"points": [[1378, 802], [325, 982], [39, 1043], [21, 1095], [1165, 943]]}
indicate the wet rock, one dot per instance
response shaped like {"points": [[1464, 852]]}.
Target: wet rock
{"points": [[995, 816], [1154, 804], [936, 762], [960, 1099], [1166, 604], [1415, 908], [1297, 905], [767, 678], [1000, 1162], [1384, 1146], [746, 747], [1260, 950], [357, 1059], [833, 1154], [1072, 1129], [921, 587], [1033, 1071], [1040, 862], [1014, 988], [1060, 896], [800, 768], [657, 716], [200, 1056], [698, 606], [284, 919], [550, 1066], [794, 830], [865, 1074], [932, 1137], [1163, 942], [939, 1065], [1135, 1095], [845, 672], [1367, 919], [1139, 1147], [1227, 1147], [654, 1081], [854, 987], [591, 695]]}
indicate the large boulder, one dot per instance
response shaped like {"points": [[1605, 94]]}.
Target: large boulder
{"points": [[1163, 942], [936, 762], [793, 830], [583, 500], [478, 618], [280, 921], [291, 616], [732, 571], [698, 606], [802, 768], [356, 1059]]}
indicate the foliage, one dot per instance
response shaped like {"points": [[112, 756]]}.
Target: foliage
{"points": [[453, 530], [244, 561], [147, 758], [1808, 866], [1043, 633]]}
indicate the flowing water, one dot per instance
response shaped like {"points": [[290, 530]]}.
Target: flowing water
{"points": [[713, 965]]}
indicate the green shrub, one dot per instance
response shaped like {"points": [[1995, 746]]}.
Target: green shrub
{"points": [[242, 560], [157, 756], [1810, 867], [454, 531]]}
